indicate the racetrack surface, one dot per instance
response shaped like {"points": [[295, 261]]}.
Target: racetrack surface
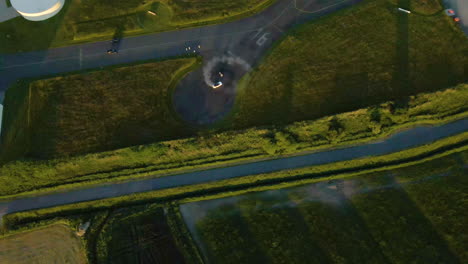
{"points": [[400, 141], [247, 38], [194, 100]]}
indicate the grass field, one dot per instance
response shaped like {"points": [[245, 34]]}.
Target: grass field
{"points": [[413, 214], [222, 148], [52, 244], [137, 235], [82, 21], [354, 58], [65, 115], [409, 215]]}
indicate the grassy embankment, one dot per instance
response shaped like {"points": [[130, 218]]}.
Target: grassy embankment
{"points": [[357, 57], [54, 243], [91, 20], [410, 215], [360, 219], [125, 106], [237, 186], [221, 148]]}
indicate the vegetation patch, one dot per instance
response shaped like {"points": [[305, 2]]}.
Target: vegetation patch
{"points": [[371, 218], [253, 183], [222, 148], [55, 243], [354, 58], [137, 235], [93, 111]]}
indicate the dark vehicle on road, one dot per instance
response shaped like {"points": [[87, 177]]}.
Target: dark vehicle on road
{"points": [[115, 43], [112, 51]]}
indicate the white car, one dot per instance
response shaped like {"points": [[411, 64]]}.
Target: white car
{"points": [[217, 85]]}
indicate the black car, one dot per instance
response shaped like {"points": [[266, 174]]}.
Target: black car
{"points": [[115, 43]]}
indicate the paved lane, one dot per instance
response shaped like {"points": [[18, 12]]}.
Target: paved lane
{"points": [[153, 46], [461, 9], [399, 141]]}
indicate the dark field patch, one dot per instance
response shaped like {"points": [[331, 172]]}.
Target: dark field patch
{"points": [[138, 236]]}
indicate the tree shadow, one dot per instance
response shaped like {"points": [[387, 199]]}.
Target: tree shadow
{"points": [[286, 238], [401, 229], [243, 246]]}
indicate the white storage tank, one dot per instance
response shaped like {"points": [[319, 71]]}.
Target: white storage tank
{"points": [[37, 10]]}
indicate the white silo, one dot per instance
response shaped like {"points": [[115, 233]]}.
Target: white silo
{"points": [[37, 10]]}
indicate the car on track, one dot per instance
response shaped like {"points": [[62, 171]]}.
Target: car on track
{"points": [[115, 43], [217, 85], [112, 51]]}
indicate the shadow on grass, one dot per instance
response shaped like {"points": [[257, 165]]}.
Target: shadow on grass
{"points": [[281, 229], [401, 229], [215, 231], [17, 35], [401, 80]]}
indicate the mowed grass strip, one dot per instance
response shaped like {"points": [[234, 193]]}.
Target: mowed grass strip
{"points": [[91, 20], [360, 56], [56, 243], [102, 110]]}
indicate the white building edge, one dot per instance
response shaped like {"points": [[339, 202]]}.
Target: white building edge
{"points": [[37, 10]]}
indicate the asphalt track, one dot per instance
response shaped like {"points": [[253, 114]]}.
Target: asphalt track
{"points": [[461, 8], [400, 141], [257, 32], [214, 40]]}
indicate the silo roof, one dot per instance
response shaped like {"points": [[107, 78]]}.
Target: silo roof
{"points": [[33, 6]]}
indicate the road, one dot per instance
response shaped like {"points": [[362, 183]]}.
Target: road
{"points": [[214, 40], [400, 141], [248, 38], [461, 9]]}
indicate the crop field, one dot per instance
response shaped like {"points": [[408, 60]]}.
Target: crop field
{"points": [[363, 55], [53, 244], [409, 215], [82, 21], [124, 106], [137, 235]]}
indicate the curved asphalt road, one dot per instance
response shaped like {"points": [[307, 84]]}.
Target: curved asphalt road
{"points": [[212, 39], [399, 141]]}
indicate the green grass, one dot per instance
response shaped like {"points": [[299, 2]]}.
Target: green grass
{"points": [[51, 244], [386, 217], [354, 58], [281, 233], [92, 20], [339, 231], [93, 111], [181, 235], [216, 149], [137, 235], [403, 233], [418, 219], [253, 183], [229, 238]]}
